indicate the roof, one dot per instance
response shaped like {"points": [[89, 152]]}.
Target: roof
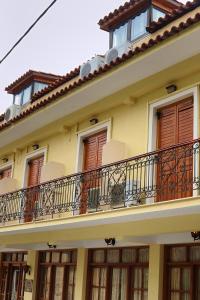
{"points": [[106, 68], [28, 77], [124, 12], [189, 6]]}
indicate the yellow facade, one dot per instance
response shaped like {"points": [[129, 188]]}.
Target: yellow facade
{"points": [[127, 113]]}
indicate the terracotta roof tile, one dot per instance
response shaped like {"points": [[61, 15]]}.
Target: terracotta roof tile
{"points": [[132, 53], [189, 6], [126, 10]]}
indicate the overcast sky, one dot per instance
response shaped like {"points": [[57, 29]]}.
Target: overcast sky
{"points": [[67, 36]]}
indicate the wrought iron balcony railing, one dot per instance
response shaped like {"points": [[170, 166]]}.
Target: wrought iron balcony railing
{"points": [[166, 174]]}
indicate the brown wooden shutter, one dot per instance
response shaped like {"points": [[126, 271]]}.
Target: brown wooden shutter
{"points": [[175, 124], [35, 167], [93, 148]]}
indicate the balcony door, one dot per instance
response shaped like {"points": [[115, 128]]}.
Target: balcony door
{"points": [[93, 148], [175, 166], [34, 174]]}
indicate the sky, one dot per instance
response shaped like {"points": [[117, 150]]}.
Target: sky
{"points": [[64, 38]]}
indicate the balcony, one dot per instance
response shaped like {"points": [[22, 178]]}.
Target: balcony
{"points": [[163, 175]]}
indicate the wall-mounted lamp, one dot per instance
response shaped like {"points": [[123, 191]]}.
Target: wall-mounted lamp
{"points": [[27, 269], [5, 160], [51, 245], [94, 121], [110, 241], [35, 146], [195, 235], [171, 88]]}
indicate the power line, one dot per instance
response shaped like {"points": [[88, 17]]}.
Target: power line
{"points": [[28, 30]]}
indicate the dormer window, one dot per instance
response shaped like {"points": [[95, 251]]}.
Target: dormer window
{"points": [[29, 84], [156, 14], [120, 35], [25, 95], [138, 26]]}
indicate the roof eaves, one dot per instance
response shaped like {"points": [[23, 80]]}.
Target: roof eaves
{"points": [[145, 46]]}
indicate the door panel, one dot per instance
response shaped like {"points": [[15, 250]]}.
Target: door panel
{"points": [[175, 166], [93, 148], [34, 174]]}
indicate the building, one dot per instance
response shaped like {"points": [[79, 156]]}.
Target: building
{"points": [[99, 168]]}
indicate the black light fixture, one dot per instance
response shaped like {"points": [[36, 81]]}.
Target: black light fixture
{"points": [[51, 245], [171, 88], [110, 241], [195, 235], [94, 121], [35, 146]]}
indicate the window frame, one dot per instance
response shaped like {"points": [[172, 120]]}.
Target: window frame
{"points": [[168, 265], [53, 265], [110, 266]]}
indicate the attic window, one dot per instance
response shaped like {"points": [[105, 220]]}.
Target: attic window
{"points": [[138, 26], [120, 35], [156, 14], [24, 96]]}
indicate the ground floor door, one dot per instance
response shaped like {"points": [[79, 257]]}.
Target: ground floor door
{"points": [[118, 274], [57, 271], [12, 277], [182, 272], [175, 166]]}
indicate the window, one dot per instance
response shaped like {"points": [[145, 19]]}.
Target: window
{"points": [[57, 270], [6, 173], [138, 26], [25, 95], [156, 14], [183, 272], [119, 273], [120, 35], [38, 86]]}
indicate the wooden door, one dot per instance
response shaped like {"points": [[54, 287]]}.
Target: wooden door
{"points": [[93, 148], [175, 167], [34, 174]]}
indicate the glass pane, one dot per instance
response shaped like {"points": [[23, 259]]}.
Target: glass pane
{"points": [[71, 275], [14, 257], [197, 291], [70, 293], [98, 256], [27, 94], [48, 257], [195, 253], [45, 283], [120, 35], [139, 25], [175, 278], [55, 257], [145, 278], [145, 295], [103, 277], [65, 257], [128, 255], [113, 256], [119, 286], [102, 294], [185, 296], [144, 255], [178, 254], [95, 294], [175, 296], [137, 278], [59, 283], [38, 86], [157, 14], [17, 99], [96, 275], [186, 279], [137, 295]]}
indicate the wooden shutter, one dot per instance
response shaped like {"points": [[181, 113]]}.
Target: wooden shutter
{"points": [[175, 124], [93, 148], [35, 166]]}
